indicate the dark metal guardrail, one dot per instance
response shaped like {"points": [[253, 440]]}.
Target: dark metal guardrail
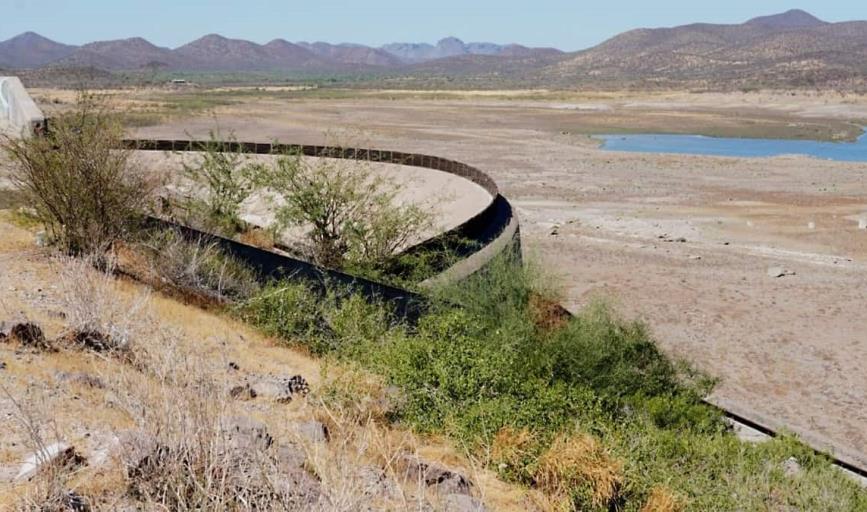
{"points": [[469, 238]]}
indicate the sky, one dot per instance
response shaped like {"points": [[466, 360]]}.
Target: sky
{"points": [[568, 25]]}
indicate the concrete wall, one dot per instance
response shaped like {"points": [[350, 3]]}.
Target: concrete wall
{"points": [[19, 115]]}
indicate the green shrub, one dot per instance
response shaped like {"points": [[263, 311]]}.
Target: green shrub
{"points": [[225, 173], [83, 186], [478, 369], [351, 213], [288, 310]]}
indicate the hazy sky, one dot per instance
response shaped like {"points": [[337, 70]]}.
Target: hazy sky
{"points": [[569, 25]]}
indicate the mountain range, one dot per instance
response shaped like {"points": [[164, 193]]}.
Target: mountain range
{"points": [[214, 52], [793, 48]]}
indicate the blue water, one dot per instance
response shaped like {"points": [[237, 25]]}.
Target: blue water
{"points": [[701, 145]]}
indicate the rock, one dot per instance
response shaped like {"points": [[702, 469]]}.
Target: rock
{"points": [[791, 467], [272, 390], [372, 481], [694, 257], [289, 456], [462, 503], [57, 455], [246, 433], [243, 392], [680, 240], [281, 390], [234, 366], [2, 365], [444, 480], [313, 431], [779, 272], [134, 448], [291, 480], [80, 378], [29, 335]]}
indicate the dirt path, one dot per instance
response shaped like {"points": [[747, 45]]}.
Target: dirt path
{"points": [[790, 349]]}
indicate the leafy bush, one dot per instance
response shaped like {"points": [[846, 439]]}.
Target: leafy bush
{"points": [[588, 411], [83, 186], [226, 176], [351, 213]]}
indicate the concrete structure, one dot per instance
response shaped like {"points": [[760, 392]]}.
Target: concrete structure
{"points": [[19, 115]]}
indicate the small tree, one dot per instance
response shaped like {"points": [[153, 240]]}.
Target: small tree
{"points": [[79, 179], [353, 215], [225, 172]]}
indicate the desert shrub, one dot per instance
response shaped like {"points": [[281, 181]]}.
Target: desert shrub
{"points": [[81, 183], [351, 214], [225, 174], [199, 266], [289, 310], [588, 410]]}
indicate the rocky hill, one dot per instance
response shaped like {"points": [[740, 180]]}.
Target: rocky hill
{"points": [[792, 49], [789, 49]]}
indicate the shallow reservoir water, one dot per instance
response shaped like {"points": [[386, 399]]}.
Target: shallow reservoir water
{"points": [[720, 146]]}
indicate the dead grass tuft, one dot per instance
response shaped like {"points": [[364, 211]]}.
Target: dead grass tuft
{"points": [[512, 447], [579, 462], [662, 499]]}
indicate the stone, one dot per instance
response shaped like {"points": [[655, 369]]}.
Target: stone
{"points": [[442, 479], [272, 390], [791, 467], [289, 456], [57, 455], [134, 448], [462, 503], [313, 431], [779, 272], [372, 481], [243, 392], [2, 365], [281, 390], [246, 433]]}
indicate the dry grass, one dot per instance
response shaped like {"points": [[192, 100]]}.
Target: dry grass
{"points": [[579, 461], [175, 393], [512, 447], [662, 499]]}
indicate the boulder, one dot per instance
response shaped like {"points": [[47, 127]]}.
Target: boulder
{"points": [[442, 479], [461, 503], [280, 390], [55, 456], [243, 392], [313, 431], [271, 389], [246, 434]]}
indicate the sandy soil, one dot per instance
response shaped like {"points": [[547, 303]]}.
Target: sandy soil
{"points": [[790, 350]]}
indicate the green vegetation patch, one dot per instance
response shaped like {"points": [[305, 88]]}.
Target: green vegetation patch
{"points": [[589, 410]]}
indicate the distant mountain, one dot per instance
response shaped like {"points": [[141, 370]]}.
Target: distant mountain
{"points": [[449, 47], [121, 54], [352, 54], [789, 49], [30, 50]]}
